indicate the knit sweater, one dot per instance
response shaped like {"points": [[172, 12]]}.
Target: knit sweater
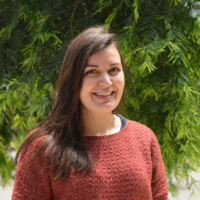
{"points": [[126, 165]]}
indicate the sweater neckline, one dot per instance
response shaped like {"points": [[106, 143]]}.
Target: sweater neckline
{"points": [[114, 135]]}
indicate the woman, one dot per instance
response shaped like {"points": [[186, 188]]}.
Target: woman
{"points": [[83, 151]]}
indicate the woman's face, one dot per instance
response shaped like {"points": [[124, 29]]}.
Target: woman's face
{"points": [[103, 81]]}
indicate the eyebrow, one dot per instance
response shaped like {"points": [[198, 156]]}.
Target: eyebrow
{"points": [[91, 65]]}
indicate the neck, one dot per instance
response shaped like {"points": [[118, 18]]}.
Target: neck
{"points": [[99, 124]]}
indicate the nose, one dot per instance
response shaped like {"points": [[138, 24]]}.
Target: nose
{"points": [[105, 80]]}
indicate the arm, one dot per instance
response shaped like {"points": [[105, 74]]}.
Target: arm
{"points": [[158, 184], [32, 180]]}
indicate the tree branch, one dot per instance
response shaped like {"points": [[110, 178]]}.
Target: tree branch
{"points": [[72, 18]]}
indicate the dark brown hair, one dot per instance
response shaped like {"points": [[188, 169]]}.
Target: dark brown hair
{"points": [[65, 143]]}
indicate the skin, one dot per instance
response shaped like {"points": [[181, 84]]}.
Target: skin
{"points": [[104, 73]]}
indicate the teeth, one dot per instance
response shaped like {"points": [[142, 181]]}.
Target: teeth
{"points": [[103, 94]]}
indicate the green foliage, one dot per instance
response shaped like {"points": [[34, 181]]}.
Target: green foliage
{"points": [[160, 42], [7, 165], [34, 36]]}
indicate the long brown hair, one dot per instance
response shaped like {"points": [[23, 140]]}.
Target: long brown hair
{"points": [[65, 142]]}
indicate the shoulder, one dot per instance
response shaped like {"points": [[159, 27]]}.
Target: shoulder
{"points": [[141, 129], [33, 158], [33, 146], [32, 180], [141, 133]]}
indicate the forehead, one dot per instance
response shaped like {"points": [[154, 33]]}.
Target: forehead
{"points": [[108, 54]]}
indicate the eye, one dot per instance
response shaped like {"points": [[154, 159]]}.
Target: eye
{"points": [[91, 72], [115, 69]]}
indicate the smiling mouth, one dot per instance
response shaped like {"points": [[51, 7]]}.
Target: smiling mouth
{"points": [[104, 94]]}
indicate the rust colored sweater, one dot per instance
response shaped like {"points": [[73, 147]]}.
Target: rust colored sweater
{"points": [[127, 165]]}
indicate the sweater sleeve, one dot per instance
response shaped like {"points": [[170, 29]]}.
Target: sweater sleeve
{"points": [[158, 184], [32, 180]]}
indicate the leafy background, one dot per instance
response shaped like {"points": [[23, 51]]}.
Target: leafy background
{"points": [[160, 42]]}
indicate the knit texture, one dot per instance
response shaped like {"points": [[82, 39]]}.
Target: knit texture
{"points": [[126, 165]]}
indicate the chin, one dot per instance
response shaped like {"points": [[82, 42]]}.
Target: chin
{"points": [[100, 107], [105, 109]]}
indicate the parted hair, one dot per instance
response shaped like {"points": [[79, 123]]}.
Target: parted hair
{"points": [[63, 127]]}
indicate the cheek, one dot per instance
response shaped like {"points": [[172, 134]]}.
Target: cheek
{"points": [[86, 88], [121, 81]]}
